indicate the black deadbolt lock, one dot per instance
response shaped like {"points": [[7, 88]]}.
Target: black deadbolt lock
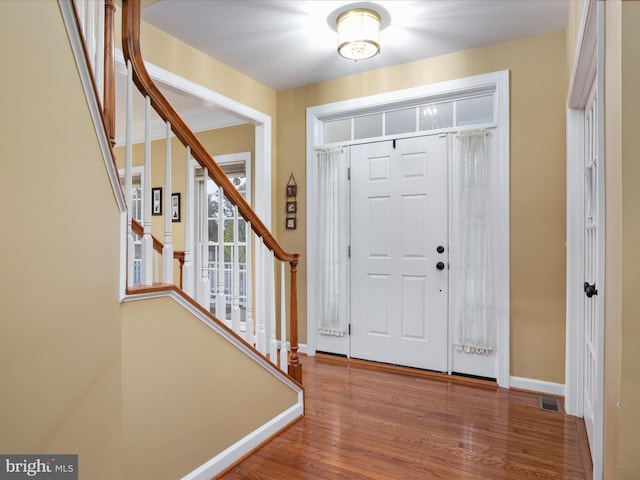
{"points": [[440, 249]]}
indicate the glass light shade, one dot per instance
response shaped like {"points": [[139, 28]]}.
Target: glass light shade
{"points": [[359, 34]]}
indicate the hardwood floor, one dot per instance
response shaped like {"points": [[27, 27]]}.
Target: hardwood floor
{"points": [[370, 423]]}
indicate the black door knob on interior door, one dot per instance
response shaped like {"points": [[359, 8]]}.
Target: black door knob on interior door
{"points": [[590, 290], [440, 266]]}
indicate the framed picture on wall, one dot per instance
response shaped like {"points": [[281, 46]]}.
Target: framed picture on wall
{"points": [[291, 190], [156, 201], [291, 224], [175, 207], [292, 207]]}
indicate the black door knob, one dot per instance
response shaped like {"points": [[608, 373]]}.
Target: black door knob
{"points": [[440, 266], [440, 249], [590, 290]]}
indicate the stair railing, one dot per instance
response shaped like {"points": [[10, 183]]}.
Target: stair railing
{"points": [[138, 230], [95, 18], [250, 312]]}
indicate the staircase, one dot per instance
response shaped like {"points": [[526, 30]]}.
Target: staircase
{"points": [[243, 287], [267, 314]]}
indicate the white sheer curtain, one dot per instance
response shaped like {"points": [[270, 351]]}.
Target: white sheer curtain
{"points": [[474, 301], [333, 227]]}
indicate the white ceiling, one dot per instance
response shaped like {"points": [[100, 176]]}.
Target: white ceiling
{"points": [[289, 43]]}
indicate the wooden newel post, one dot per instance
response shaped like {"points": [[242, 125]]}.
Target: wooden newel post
{"points": [[294, 367], [109, 94]]}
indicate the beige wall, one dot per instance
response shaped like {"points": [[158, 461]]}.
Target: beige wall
{"points": [[623, 233], [537, 184], [60, 323], [182, 399], [613, 257]]}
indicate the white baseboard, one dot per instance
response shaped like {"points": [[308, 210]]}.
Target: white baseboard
{"points": [[235, 452], [539, 386]]}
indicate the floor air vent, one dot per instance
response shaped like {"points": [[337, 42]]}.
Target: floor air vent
{"points": [[550, 404]]}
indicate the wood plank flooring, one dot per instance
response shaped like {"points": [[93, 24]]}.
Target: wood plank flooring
{"points": [[368, 423]]}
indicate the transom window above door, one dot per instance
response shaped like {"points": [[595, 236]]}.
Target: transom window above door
{"points": [[439, 115]]}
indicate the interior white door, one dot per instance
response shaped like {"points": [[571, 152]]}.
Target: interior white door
{"points": [[399, 278], [592, 381]]}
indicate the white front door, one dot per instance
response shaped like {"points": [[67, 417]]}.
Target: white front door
{"points": [[399, 250]]}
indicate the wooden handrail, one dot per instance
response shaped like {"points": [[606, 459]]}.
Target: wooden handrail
{"points": [[138, 229], [131, 48], [109, 96]]}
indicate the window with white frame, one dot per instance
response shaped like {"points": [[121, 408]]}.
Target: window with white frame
{"points": [[477, 109]]}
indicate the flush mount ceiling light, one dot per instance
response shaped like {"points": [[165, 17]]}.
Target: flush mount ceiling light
{"points": [[358, 34]]}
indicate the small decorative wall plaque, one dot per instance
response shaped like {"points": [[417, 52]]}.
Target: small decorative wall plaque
{"points": [[292, 203], [175, 207], [156, 201]]}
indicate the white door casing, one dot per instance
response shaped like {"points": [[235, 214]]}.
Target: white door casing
{"points": [[399, 219], [585, 232]]}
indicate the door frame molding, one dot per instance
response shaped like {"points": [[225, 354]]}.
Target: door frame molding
{"points": [[315, 118], [587, 72]]}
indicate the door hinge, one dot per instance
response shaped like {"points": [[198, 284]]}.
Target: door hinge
{"points": [[348, 173], [349, 329], [349, 251]]}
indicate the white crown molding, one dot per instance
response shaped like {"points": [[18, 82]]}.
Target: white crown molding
{"points": [[199, 119], [226, 113]]}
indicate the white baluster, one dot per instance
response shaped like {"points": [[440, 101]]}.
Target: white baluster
{"points": [[284, 354], [167, 250], [90, 33], [221, 298], [99, 62], [248, 324], [187, 268], [146, 274], [204, 286], [156, 266], [80, 6], [273, 344], [128, 193], [235, 276], [260, 310]]}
